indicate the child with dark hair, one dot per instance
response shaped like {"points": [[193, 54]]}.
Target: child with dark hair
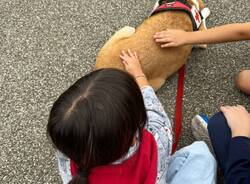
{"points": [[113, 127]]}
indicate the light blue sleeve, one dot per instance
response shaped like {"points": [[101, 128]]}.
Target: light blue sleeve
{"points": [[64, 167], [160, 127]]}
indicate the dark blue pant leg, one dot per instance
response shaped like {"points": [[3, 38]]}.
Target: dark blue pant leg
{"points": [[220, 136]]}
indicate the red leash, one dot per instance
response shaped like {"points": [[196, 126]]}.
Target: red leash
{"points": [[178, 107]]}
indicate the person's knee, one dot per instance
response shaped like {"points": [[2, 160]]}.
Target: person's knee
{"points": [[197, 149], [242, 81], [195, 157], [215, 120], [200, 150], [218, 129]]}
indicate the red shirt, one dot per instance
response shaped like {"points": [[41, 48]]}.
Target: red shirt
{"points": [[141, 168]]}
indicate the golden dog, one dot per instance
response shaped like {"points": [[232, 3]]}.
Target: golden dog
{"points": [[157, 63]]}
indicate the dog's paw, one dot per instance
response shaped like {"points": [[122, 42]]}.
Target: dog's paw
{"points": [[205, 12], [201, 46], [124, 32]]}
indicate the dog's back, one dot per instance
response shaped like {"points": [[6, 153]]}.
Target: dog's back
{"points": [[157, 63]]}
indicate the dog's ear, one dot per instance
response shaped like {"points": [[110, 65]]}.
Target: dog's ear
{"points": [[199, 4]]}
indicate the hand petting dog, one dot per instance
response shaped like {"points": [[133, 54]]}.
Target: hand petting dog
{"points": [[132, 65], [171, 38]]}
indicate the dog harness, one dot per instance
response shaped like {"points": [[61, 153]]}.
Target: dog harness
{"points": [[180, 5]]}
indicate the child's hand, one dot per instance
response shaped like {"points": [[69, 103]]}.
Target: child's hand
{"points": [[238, 120], [132, 63], [171, 38]]}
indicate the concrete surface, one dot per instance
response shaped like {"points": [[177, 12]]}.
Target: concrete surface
{"points": [[45, 45]]}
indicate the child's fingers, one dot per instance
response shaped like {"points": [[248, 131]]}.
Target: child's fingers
{"points": [[158, 36], [226, 109], [161, 35], [124, 58], [124, 53], [171, 44], [136, 56], [161, 40], [222, 109], [130, 53], [124, 62], [241, 107]]}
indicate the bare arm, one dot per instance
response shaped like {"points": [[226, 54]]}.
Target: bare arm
{"points": [[220, 34], [226, 33]]}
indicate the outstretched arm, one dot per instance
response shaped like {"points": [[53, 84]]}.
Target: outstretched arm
{"points": [[220, 34]]}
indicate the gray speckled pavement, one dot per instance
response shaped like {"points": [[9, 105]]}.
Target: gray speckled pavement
{"points": [[45, 45]]}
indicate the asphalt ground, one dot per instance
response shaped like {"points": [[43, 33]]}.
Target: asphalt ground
{"points": [[46, 45]]}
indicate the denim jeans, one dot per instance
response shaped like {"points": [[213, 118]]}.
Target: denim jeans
{"points": [[192, 164]]}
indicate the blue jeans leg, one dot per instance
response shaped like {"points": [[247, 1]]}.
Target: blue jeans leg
{"points": [[220, 136], [192, 164]]}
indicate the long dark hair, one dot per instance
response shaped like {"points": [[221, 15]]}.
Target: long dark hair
{"points": [[94, 121]]}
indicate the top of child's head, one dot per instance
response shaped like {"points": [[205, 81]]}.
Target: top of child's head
{"points": [[94, 121]]}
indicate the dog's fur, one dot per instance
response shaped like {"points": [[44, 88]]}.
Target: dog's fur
{"points": [[157, 63]]}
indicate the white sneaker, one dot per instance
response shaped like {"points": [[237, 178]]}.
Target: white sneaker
{"points": [[199, 128]]}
